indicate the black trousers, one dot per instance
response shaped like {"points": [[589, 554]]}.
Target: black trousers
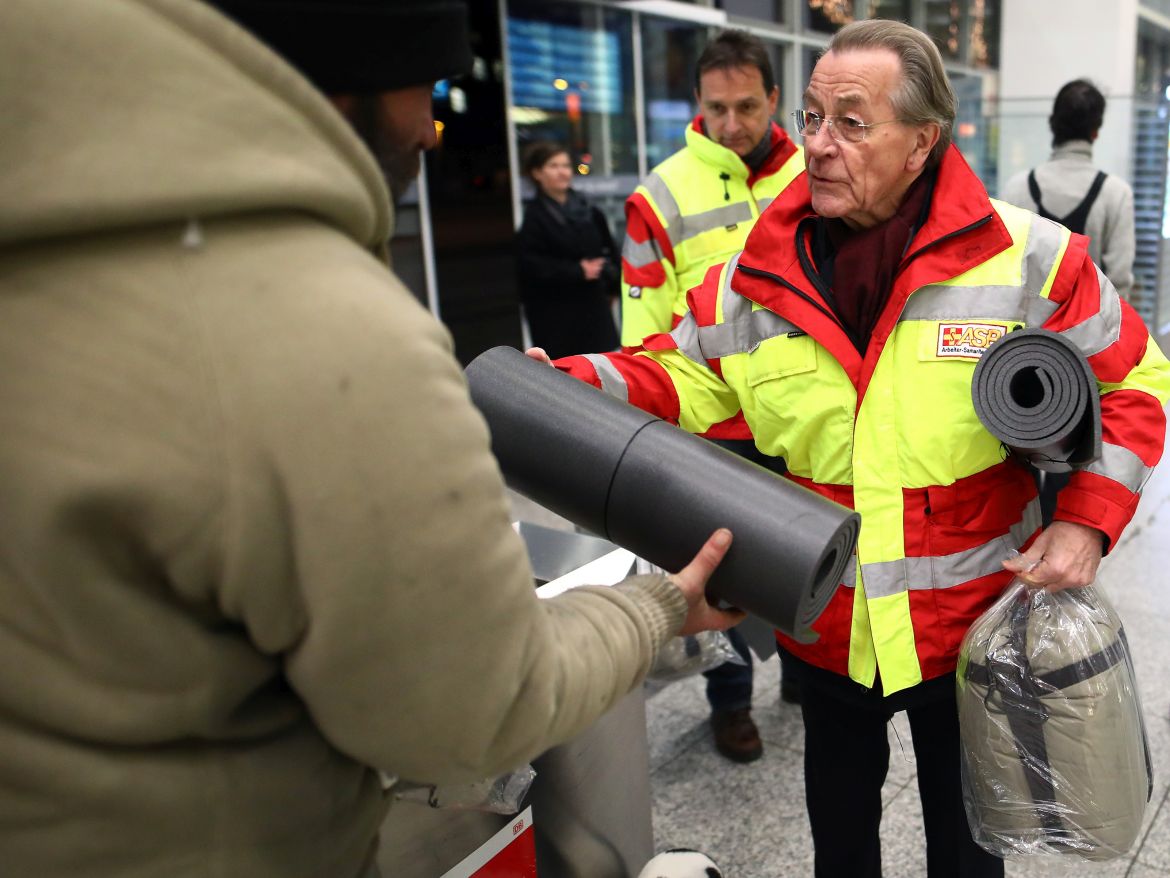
{"points": [[846, 757]]}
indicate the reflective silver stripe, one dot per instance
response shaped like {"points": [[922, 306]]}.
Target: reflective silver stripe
{"points": [[742, 329], [887, 578], [849, 577], [1102, 329], [1122, 466], [735, 307], [743, 336], [664, 200], [764, 202], [1044, 240], [1039, 310], [679, 227], [938, 302], [716, 218], [640, 255], [611, 379], [1022, 304], [686, 335]]}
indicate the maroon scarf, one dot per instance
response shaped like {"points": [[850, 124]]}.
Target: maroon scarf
{"points": [[866, 261]]}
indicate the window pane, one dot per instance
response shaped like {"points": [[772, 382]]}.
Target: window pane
{"points": [[762, 10], [983, 24], [975, 133], [573, 83], [944, 25], [670, 51], [829, 16], [1152, 64]]}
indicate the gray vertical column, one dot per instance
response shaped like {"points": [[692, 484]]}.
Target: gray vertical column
{"points": [[509, 116], [426, 233], [639, 94]]}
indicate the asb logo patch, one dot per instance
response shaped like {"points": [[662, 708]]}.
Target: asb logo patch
{"points": [[968, 340]]}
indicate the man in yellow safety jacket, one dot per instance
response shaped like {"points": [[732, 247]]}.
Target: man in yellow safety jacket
{"points": [[846, 333], [692, 211], [696, 208]]}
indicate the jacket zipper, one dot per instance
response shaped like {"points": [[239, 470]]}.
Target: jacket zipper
{"points": [[975, 225]]}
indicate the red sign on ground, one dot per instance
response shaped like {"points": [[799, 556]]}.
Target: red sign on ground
{"points": [[510, 853]]}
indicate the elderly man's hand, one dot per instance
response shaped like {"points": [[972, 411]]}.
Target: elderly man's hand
{"points": [[1065, 555]]}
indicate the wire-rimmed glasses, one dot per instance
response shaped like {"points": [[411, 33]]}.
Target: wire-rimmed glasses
{"points": [[843, 129]]}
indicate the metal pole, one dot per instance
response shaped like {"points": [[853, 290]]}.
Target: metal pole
{"points": [[639, 94], [509, 117], [428, 238]]}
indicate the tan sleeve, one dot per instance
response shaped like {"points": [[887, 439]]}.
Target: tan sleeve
{"points": [[370, 542]]}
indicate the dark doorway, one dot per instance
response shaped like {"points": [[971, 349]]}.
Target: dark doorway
{"points": [[470, 196]]}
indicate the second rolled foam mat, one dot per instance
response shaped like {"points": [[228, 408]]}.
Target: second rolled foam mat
{"points": [[1036, 393], [660, 492]]}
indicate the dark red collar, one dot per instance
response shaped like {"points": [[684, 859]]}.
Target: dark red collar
{"points": [[961, 231]]}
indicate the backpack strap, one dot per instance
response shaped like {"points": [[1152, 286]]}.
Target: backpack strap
{"points": [[1079, 218], [1034, 191]]}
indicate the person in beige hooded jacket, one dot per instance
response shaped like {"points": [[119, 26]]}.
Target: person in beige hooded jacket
{"points": [[254, 547]]}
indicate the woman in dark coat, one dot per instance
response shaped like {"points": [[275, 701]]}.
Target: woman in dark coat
{"points": [[567, 263]]}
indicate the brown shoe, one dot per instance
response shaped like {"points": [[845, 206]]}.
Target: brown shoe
{"points": [[736, 735]]}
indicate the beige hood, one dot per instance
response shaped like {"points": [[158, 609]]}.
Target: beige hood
{"points": [[173, 113]]}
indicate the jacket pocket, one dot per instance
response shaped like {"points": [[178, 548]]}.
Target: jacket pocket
{"points": [[978, 508], [780, 357]]}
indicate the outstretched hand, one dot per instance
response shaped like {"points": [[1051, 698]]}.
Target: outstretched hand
{"points": [[692, 582]]}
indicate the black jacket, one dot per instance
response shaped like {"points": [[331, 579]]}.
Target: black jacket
{"points": [[567, 313]]}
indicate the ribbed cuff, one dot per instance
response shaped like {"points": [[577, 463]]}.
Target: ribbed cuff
{"points": [[663, 606]]}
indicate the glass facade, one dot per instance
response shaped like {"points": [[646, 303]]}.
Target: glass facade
{"points": [[1152, 61], [572, 79], [670, 52], [829, 16], [616, 86]]}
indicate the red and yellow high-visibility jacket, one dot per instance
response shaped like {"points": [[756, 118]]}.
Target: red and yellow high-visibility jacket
{"points": [[692, 211], [894, 433]]}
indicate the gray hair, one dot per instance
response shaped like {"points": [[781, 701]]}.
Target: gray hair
{"points": [[925, 94]]}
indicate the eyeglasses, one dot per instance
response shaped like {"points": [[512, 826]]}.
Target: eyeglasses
{"points": [[843, 129]]}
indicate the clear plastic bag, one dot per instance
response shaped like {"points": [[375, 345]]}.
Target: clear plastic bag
{"points": [[1055, 757], [498, 795], [693, 654]]}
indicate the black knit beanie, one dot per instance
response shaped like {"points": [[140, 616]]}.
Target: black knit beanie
{"points": [[361, 46]]}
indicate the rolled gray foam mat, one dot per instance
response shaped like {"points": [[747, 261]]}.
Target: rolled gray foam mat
{"points": [[660, 492], [1036, 393]]}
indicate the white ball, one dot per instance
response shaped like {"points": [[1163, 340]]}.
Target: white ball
{"points": [[681, 863]]}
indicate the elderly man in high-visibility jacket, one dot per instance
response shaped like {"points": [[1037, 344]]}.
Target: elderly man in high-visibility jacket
{"points": [[834, 333], [695, 210]]}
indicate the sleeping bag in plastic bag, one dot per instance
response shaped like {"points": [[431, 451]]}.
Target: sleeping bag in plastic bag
{"points": [[1055, 758]]}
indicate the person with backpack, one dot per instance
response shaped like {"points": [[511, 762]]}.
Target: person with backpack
{"points": [[1070, 190]]}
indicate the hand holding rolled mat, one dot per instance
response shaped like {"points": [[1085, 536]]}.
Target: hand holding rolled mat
{"points": [[659, 492], [1035, 392]]}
